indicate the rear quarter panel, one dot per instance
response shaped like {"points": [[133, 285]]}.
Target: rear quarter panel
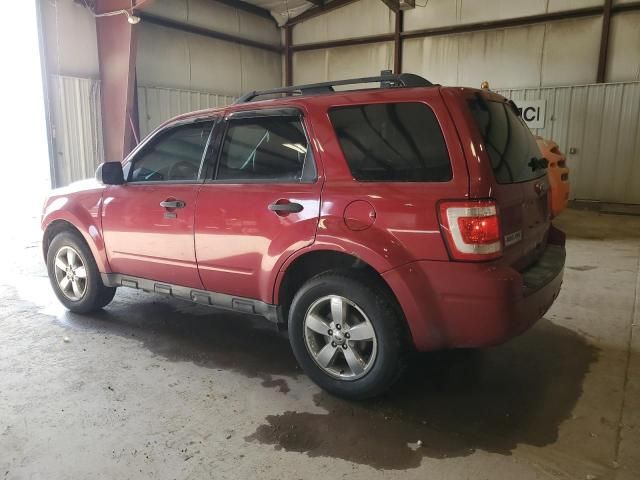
{"points": [[406, 226]]}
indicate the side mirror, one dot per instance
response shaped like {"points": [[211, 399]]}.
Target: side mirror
{"points": [[110, 173]]}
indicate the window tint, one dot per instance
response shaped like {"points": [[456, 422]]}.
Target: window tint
{"points": [[174, 156], [508, 141], [266, 148], [393, 142]]}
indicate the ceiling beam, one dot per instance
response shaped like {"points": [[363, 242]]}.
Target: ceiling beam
{"points": [[319, 10], [248, 7], [394, 5], [383, 37], [507, 23], [227, 37]]}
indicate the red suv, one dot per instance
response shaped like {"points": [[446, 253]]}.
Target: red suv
{"points": [[370, 222]]}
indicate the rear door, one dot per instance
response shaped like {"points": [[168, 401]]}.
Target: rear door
{"points": [[517, 177], [259, 204], [148, 222]]}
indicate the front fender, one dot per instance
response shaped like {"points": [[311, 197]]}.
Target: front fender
{"points": [[81, 209]]}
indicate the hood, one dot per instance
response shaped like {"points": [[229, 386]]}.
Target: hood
{"points": [[79, 186]]}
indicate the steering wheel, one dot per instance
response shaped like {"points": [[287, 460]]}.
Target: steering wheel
{"points": [[182, 170]]}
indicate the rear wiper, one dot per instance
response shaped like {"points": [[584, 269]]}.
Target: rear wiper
{"points": [[537, 163]]}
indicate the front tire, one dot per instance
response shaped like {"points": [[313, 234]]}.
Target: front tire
{"points": [[347, 335], [74, 275]]}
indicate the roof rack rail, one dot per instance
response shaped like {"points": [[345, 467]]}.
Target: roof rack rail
{"points": [[386, 81]]}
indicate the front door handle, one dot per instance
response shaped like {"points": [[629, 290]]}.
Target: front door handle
{"points": [[283, 208], [173, 204]]}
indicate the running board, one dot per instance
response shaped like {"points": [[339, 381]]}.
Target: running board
{"points": [[203, 297]]}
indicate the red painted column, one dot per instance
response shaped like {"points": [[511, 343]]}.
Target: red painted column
{"points": [[117, 57]]}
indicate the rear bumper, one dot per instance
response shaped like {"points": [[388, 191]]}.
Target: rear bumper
{"points": [[454, 304]]}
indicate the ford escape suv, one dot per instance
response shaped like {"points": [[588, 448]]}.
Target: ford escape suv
{"points": [[369, 223]]}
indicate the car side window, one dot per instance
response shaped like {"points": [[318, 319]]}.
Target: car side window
{"points": [[175, 155], [270, 148], [392, 142]]}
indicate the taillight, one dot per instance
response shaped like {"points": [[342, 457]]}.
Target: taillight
{"points": [[471, 229]]}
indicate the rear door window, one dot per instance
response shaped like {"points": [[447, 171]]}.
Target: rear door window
{"points": [[511, 146], [272, 148], [392, 142]]}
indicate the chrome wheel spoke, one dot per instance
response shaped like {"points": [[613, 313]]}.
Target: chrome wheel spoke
{"points": [[61, 264], [77, 291], [317, 324], [326, 355], [81, 272], [71, 257], [338, 310], [362, 331], [64, 283], [354, 360]]}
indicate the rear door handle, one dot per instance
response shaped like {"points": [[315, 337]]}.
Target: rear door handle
{"points": [[286, 207], [173, 204]]}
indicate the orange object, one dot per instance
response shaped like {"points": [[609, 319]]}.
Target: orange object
{"points": [[558, 174]]}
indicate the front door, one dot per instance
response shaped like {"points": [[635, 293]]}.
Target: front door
{"points": [[260, 203], [148, 222]]}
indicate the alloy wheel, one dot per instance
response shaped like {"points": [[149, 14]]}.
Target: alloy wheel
{"points": [[71, 273], [340, 338]]}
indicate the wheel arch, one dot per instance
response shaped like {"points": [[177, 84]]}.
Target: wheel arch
{"points": [[310, 263], [59, 225]]}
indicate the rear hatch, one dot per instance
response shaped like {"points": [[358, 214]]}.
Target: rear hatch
{"points": [[512, 171]]}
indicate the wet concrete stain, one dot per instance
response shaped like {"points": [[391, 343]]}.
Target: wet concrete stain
{"points": [[453, 402], [583, 268]]}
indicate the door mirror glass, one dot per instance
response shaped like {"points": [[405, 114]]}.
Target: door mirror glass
{"points": [[110, 173]]}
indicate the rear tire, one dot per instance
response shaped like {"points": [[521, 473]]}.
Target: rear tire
{"points": [[74, 275], [367, 354]]}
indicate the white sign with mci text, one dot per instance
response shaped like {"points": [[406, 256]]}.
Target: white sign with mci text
{"points": [[532, 112]]}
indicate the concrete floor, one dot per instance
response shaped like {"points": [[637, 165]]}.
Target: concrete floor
{"points": [[157, 388]]}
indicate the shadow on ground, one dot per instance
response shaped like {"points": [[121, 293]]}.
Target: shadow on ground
{"points": [[452, 402], [180, 331]]}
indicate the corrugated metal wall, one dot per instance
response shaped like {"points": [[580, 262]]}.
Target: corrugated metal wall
{"points": [[343, 62], [155, 104], [170, 58], [77, 126], [602, 122], [77, 120], [366, 17], [557, 53]]}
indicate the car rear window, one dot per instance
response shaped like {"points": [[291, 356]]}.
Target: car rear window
{"points": [[392, 142], [509, 142]]}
